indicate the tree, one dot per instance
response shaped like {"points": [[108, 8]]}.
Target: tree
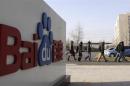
{"points": [[77, 34], [67, 43]]}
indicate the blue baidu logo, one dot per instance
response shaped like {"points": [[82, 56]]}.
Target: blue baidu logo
{"points": [[46, 36]]}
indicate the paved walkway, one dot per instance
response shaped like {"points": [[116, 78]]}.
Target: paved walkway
{"points": [[99, 75]]}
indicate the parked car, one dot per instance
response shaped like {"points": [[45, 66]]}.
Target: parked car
{"points": [[127, 51], [111, 52]]}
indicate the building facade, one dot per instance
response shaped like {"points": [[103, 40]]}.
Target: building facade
{"points": [[122, 29], [25, 21]]}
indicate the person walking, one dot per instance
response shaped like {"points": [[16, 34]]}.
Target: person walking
{"points": [[122, 49], [89, 51], [72, 52], [77, 49], [80, 51], [118, 52], [101, 49]]}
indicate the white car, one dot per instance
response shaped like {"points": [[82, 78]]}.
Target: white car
{"points": [[111, 52]]}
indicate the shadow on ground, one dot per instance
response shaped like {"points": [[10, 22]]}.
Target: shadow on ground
{"points": [[121, 83]]}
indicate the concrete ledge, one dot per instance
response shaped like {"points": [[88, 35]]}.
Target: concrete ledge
{"points": [[63, 81]]}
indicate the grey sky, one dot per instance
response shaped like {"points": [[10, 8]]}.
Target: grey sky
{"points": [[97, 17]]}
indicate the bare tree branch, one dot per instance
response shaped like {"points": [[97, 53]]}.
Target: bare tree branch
{"points": [[77, 34]]}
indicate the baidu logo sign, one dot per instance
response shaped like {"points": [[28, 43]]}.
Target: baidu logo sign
{"points": [[46, 36], [49, 50]]}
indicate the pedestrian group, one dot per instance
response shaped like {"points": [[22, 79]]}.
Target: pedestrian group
{"points": [[79, 49]]}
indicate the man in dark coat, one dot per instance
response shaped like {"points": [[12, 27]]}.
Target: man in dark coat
{"points": [[118, 51], [101, 49], [77, 49], [80, 51], [72, 52], [122, 50]]}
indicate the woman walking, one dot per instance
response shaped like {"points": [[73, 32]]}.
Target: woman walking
{"points": [[89, 51]]}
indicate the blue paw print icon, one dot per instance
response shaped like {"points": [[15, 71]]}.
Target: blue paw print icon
{"points": [[46, 40]]}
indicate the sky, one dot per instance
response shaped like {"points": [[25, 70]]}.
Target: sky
{"points": [[96, 17]]}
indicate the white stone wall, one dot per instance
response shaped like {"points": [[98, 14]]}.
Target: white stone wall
{"points": [[24, 15]]}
